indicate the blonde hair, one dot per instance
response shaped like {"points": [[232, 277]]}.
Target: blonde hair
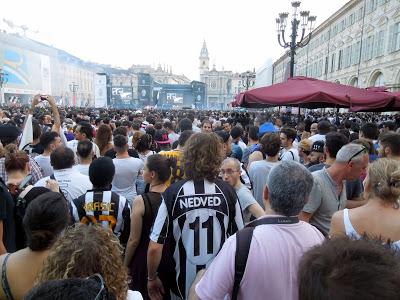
{"points": [[84, 250], [384, 180]]}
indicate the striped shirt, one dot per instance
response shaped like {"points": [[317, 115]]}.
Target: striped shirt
{"points": [[106, 208], [196, 217]]}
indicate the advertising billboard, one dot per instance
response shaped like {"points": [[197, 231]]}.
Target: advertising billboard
{"points": [[28, 73], [121, 96], [100, 92]]}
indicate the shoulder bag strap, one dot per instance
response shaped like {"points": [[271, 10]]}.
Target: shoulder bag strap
{"points": [[243, 242]]}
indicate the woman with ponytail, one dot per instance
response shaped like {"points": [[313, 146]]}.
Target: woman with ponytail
{"points": [[157, 171], [45, 218]]}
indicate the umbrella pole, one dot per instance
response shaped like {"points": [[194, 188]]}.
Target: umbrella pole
{"points": [[298, 115]]}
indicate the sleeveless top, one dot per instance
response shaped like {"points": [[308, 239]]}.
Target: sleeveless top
{"points": [[138, 265], [352, 233], [4, 280]]}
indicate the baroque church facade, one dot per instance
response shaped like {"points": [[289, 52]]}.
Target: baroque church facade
{"points": [[221, 86]]}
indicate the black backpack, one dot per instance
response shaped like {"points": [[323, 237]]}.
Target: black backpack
{"points": [[243, 242]]}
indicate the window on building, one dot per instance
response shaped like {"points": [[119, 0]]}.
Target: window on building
{"points": [[340, 60], [356, 53], [347, 57], [369, 48], [379, 80], [351, 19], [360, 13], [326, 65], [394, 38], [320, 67], [380, 43], [371, 5], [354, 81], [333, 61], [342, 26]]}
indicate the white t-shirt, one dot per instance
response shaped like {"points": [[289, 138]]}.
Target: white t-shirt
{"points": [[144, 157], [134, 295], [317, 137], [126, 172], [74, 146], [242, 145], [83, 169], [291, 154], [72, 183], [44, 164]]}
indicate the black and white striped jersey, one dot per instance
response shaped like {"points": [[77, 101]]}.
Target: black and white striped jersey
{"points": [[196, 217], [106, 208]]}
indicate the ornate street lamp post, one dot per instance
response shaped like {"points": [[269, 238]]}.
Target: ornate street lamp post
{"points": [[306, 21], [248, 79], [73, 88]]}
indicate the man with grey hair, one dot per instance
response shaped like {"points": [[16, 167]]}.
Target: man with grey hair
{"points": [[274, 246], [329, 191]]}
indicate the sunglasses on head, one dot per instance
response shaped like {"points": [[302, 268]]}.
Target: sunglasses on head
{"points": [[357, 153]]}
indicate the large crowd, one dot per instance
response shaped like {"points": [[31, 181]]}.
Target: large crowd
{"points": [[126, 204]]}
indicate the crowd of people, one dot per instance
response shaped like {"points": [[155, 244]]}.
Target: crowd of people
{"points": [[122, 204]]}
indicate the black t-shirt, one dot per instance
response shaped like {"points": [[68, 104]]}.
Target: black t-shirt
{"points": [[7, 217], [112, 154]]}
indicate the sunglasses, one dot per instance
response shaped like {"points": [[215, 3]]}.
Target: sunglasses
{"points": [[362, 150]]}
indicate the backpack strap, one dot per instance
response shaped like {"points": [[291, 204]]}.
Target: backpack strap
{"points": [[291, 152], [243, 241]]}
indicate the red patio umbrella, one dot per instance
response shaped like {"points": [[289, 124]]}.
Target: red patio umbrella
{"points": [[312, 93], [393, 105]]}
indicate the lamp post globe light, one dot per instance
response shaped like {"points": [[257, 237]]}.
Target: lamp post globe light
{"points": [[304, 20], [248, 79]]}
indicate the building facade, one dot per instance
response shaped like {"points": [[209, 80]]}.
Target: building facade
{"points": [[359, 45], [35, 68], [222, 86]]}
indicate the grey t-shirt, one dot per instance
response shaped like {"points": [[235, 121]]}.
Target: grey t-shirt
{"points": [[245, 199], [353, 188], [324, 200], [258, 173], [44, 164]]}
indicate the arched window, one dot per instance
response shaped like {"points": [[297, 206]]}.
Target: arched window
{"points": [[354, 81], [379, 80]]}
